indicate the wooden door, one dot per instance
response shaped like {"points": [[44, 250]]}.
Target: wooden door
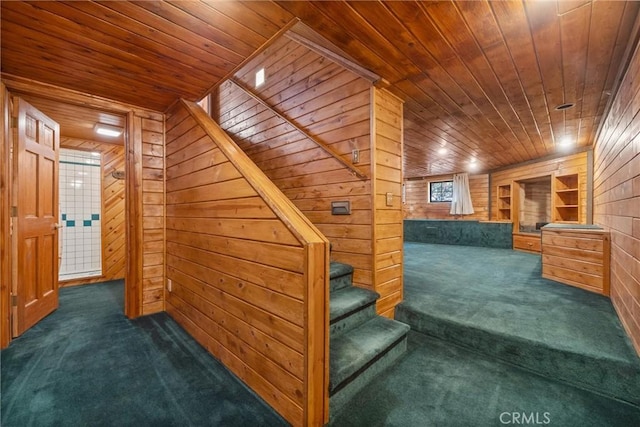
{"points": [[35, 216]]}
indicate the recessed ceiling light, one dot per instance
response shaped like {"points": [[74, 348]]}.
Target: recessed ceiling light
{"points": [[442, 151], [108, 130], [473, 160], [260, 78], [565, 143], [564, 106]]}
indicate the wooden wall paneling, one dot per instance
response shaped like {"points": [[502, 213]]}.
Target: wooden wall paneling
{"points": [[134, 158], [248, 273], [417, 205], [386, 124], [113, 209], [133, 207], [5, 208], [616, 198], [330, 104], [283, 118], [153, 216], [557, 165]]}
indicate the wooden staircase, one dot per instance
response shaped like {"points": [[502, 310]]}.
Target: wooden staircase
{"points": [[362, 344]]}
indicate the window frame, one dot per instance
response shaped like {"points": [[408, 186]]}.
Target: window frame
{"points": [[444, 181]]}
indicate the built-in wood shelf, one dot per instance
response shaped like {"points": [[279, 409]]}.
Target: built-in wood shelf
{"points": [[504, 202], [566, 198]]}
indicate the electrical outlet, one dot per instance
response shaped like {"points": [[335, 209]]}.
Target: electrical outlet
{"points": [[169, 285], [355, 155]]}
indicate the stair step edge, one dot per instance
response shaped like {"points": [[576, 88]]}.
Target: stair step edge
{"points": [[355, 349], [348, 300], [338, 269]]}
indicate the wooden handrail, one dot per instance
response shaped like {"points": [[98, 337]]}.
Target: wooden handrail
{"points": [[319, 143]]}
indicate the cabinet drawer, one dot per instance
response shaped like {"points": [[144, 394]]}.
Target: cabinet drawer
{"points": [[527, 243]]}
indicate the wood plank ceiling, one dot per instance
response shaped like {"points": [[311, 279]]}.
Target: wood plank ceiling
{"points": [[481, 79]]}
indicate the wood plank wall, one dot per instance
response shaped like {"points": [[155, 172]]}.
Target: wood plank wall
{"points": [[144, 209], [113, 224], [387, 198], [536, 206], [333, 105], [153, 273], [616, 196], [574, 162], [240, 275], [417, 204]]}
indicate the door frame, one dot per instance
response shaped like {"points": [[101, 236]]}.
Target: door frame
{"points": [[5, 217], [11, 85]]}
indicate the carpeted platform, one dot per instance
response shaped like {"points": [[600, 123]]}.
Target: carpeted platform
{"points": [[440, 384], [88, 365], [496, 302]]}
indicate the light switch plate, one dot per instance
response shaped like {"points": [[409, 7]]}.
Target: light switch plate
{"points": [[389, 199]]}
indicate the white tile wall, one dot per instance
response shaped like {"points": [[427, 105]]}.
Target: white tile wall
{"points": [[80, 214]]}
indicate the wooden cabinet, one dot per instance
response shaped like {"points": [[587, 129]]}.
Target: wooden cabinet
{"points": [[529, 242], [566, 198], [577, 255], [504, 202]]}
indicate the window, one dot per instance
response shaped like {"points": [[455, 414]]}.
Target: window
{"points": [[440, 191]]}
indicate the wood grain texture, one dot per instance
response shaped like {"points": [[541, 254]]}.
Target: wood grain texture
{"points": [[78, 122], [386, 122], [248, 272], [616, 194], [417, 205], [574, 163], [481, 78], [578, 258], [113, 213], [330, 104], [5, 221], [134, 159], [153, 191], [193, 45]]}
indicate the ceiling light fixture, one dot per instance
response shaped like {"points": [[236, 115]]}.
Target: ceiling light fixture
{"points": [[565, 143], [442, 151], [108, 130], [260, 77]]}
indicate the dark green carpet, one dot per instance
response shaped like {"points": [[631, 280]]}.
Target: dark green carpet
{"points": [[495, 301], [440, 384], [88, 365]]}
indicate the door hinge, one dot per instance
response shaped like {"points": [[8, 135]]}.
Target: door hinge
{"points": [[14, 300], [14, 211]]}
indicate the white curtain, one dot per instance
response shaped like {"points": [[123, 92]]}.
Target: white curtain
{"points": [[461, 201]]}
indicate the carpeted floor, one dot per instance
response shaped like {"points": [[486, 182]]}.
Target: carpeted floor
{"points": [[88, 365], [502, 291], [440, 384]]}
